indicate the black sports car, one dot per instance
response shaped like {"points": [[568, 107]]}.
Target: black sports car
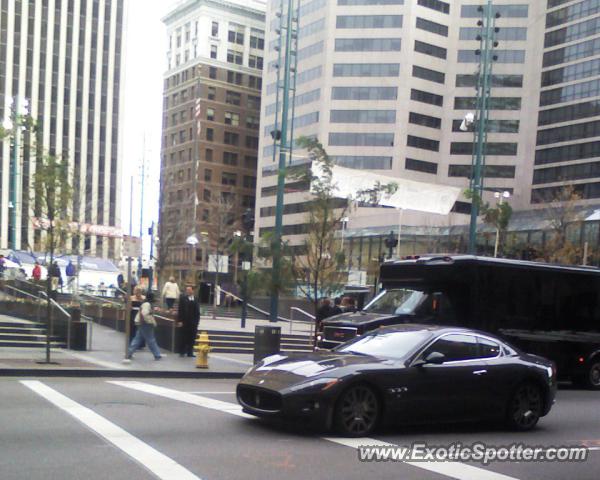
{"points": [[407, 373]]}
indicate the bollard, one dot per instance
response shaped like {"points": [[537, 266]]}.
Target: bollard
{"points": [[202, 348]]}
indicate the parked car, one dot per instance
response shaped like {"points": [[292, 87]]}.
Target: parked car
{"points": [[408, 373]]}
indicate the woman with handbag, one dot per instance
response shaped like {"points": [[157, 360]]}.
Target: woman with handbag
{"points": [[145, 323]]}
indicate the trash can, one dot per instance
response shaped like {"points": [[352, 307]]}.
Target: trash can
{"points": [[267, 341], [78, 340]]}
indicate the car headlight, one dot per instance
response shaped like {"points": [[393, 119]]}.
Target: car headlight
{"points": [[319, 384]]}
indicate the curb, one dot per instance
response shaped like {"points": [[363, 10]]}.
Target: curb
{"points": [[95, 373]]}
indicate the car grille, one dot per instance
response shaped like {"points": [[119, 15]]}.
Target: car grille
{"points": [[259, 399], [339, 334]]}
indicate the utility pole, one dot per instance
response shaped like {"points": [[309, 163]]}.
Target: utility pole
{"points": [[143, 179], [487, 39], [288, 39]]}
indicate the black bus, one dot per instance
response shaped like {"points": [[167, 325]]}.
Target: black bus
{"points": [[549, 310]]}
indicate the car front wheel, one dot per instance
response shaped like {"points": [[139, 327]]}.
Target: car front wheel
{"points": [[593, 375], [525, 407], [357, 411]]}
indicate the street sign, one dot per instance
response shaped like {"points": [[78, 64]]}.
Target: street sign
{"points": [[132, 246]]}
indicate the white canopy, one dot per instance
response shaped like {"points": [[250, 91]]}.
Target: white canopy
{"points": [[411, 195]]}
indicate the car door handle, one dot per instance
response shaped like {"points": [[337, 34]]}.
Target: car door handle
{"points": [[479, 372]]}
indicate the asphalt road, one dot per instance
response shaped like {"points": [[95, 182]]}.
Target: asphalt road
{"points": [[90, 429]]}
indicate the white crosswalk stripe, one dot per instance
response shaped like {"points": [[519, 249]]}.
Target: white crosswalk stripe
{"points": [[159, 464], [457, 470]]}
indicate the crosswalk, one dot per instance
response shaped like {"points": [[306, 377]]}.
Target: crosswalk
{"points": [[163, 467]]}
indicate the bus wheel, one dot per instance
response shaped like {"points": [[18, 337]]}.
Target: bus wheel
{"points": [[593, 374]]}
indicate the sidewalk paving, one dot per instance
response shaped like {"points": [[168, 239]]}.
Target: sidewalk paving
{"points": [[108, 351]]}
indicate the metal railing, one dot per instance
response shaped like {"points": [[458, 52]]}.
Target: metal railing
{"points": [[311, 322], [55, 304], [253, 307]]}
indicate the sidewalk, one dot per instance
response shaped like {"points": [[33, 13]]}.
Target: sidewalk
{"points": [[108, 350]]}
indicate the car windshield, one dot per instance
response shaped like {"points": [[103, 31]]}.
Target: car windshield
{"points": [[396, 302], [386, 344]]}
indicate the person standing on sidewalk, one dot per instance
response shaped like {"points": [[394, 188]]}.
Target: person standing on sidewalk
{"points": [[71, 274], [170, 292], [36, 273], [188, 316], [146, 323]]}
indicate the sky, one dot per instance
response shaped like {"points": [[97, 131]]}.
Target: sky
{"points": [[145, 63]]}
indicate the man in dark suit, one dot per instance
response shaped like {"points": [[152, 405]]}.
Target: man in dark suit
{"points": [[188, 316]]}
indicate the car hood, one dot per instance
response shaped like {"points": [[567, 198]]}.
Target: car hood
{"points": [[278, 372]]}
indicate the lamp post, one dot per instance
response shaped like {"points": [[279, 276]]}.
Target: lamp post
{"points": [[192, 241], [487, 39], [499, 196]]}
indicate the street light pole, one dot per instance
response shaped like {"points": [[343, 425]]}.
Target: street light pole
{"points": [[502, 196], [291, 34], [487, 45]]}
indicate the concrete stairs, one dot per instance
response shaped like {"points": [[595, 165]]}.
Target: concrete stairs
{"points": [[222, 341], [26, 334]]}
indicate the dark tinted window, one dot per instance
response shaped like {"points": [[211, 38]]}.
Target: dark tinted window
{"points": [[488, 348], [455, 347], [388, 344]]}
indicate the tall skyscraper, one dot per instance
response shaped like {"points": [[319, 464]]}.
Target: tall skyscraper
{"points": [[384, 85], [210, 125], [62, 59]]}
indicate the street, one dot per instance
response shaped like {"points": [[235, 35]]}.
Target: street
{"points": [[189, 429]]}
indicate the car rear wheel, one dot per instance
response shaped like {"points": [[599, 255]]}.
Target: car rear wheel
{"points": [[357, 411], [525, 407], [593, 375]]}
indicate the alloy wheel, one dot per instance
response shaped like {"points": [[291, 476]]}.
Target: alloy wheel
{"points": [[526, 407], [357, 411]]}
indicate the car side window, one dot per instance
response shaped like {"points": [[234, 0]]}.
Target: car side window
{"points": [[488, 348], [455, 347]]}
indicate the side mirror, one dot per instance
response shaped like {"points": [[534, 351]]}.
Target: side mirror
{"points": [[434, 358]]}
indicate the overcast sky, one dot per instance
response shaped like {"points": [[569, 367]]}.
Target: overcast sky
{"points": [[145, 63]]}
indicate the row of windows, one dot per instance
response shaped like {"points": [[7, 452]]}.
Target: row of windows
{"points": [[568, 132], [495, 103], [491, 148], [293, 169], [299, 229], [556, 3], [423, 143], [503, 56], [310, 51], [370, 2], [488, 171], [361, 139], [572, 12], [572, 52], [570, 92], [573, 32], [303, 10], [432, 27], [364, 93], [505, 33], [567, 153], [493, 126], [292, 208], [367, 44], [300, 186], [432, 50], [303, 99], [302, 77], [363, 162], [363, 116], [577, 71], [497, 80], [303, 32], [369, 21], [420, 166], [438, 5], [366, 69], [231, 138], [566, 172], [424, 120], [428, 74], [506, 11], [426, 97], [548, 194], [299, 122]]}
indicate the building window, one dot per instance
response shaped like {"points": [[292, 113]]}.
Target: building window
{"points": [[255, 82], [210, 134], [233, 98], [361, 139], [230, 158], [369, 21], [495, 103], [488, 171], [424, 120], [432, 27], [236, 33], [208, 175], [432, 50], [257, 39], [212, 93], [212, 73], [492, 148], [234, 77], [503, 56], [501, 81], [208, 155], [231, 138], [253, 102], [367, 44], [252, 122], [232, 119], [421, 166], [426, 97], [233, 56], [214, 29], [362, 116], [210, 114], [363, 162], [249, 182], [506, 11], [569, 132], [248, 201], [428, 74], [435, 5], [364, 93], [250, 162], [251, 142], [213, 51], [255, 61], [229, 179], [423, 143], [366, 69]]}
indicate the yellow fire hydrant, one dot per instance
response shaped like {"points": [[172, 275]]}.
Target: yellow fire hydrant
{"points": [[202, 348]]}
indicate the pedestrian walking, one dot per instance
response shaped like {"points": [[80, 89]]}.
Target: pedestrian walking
{"points": [[36, 273], [188, 316], [137, 299], [171, 292], [55, 279], [146, 323], [71, 274]]}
